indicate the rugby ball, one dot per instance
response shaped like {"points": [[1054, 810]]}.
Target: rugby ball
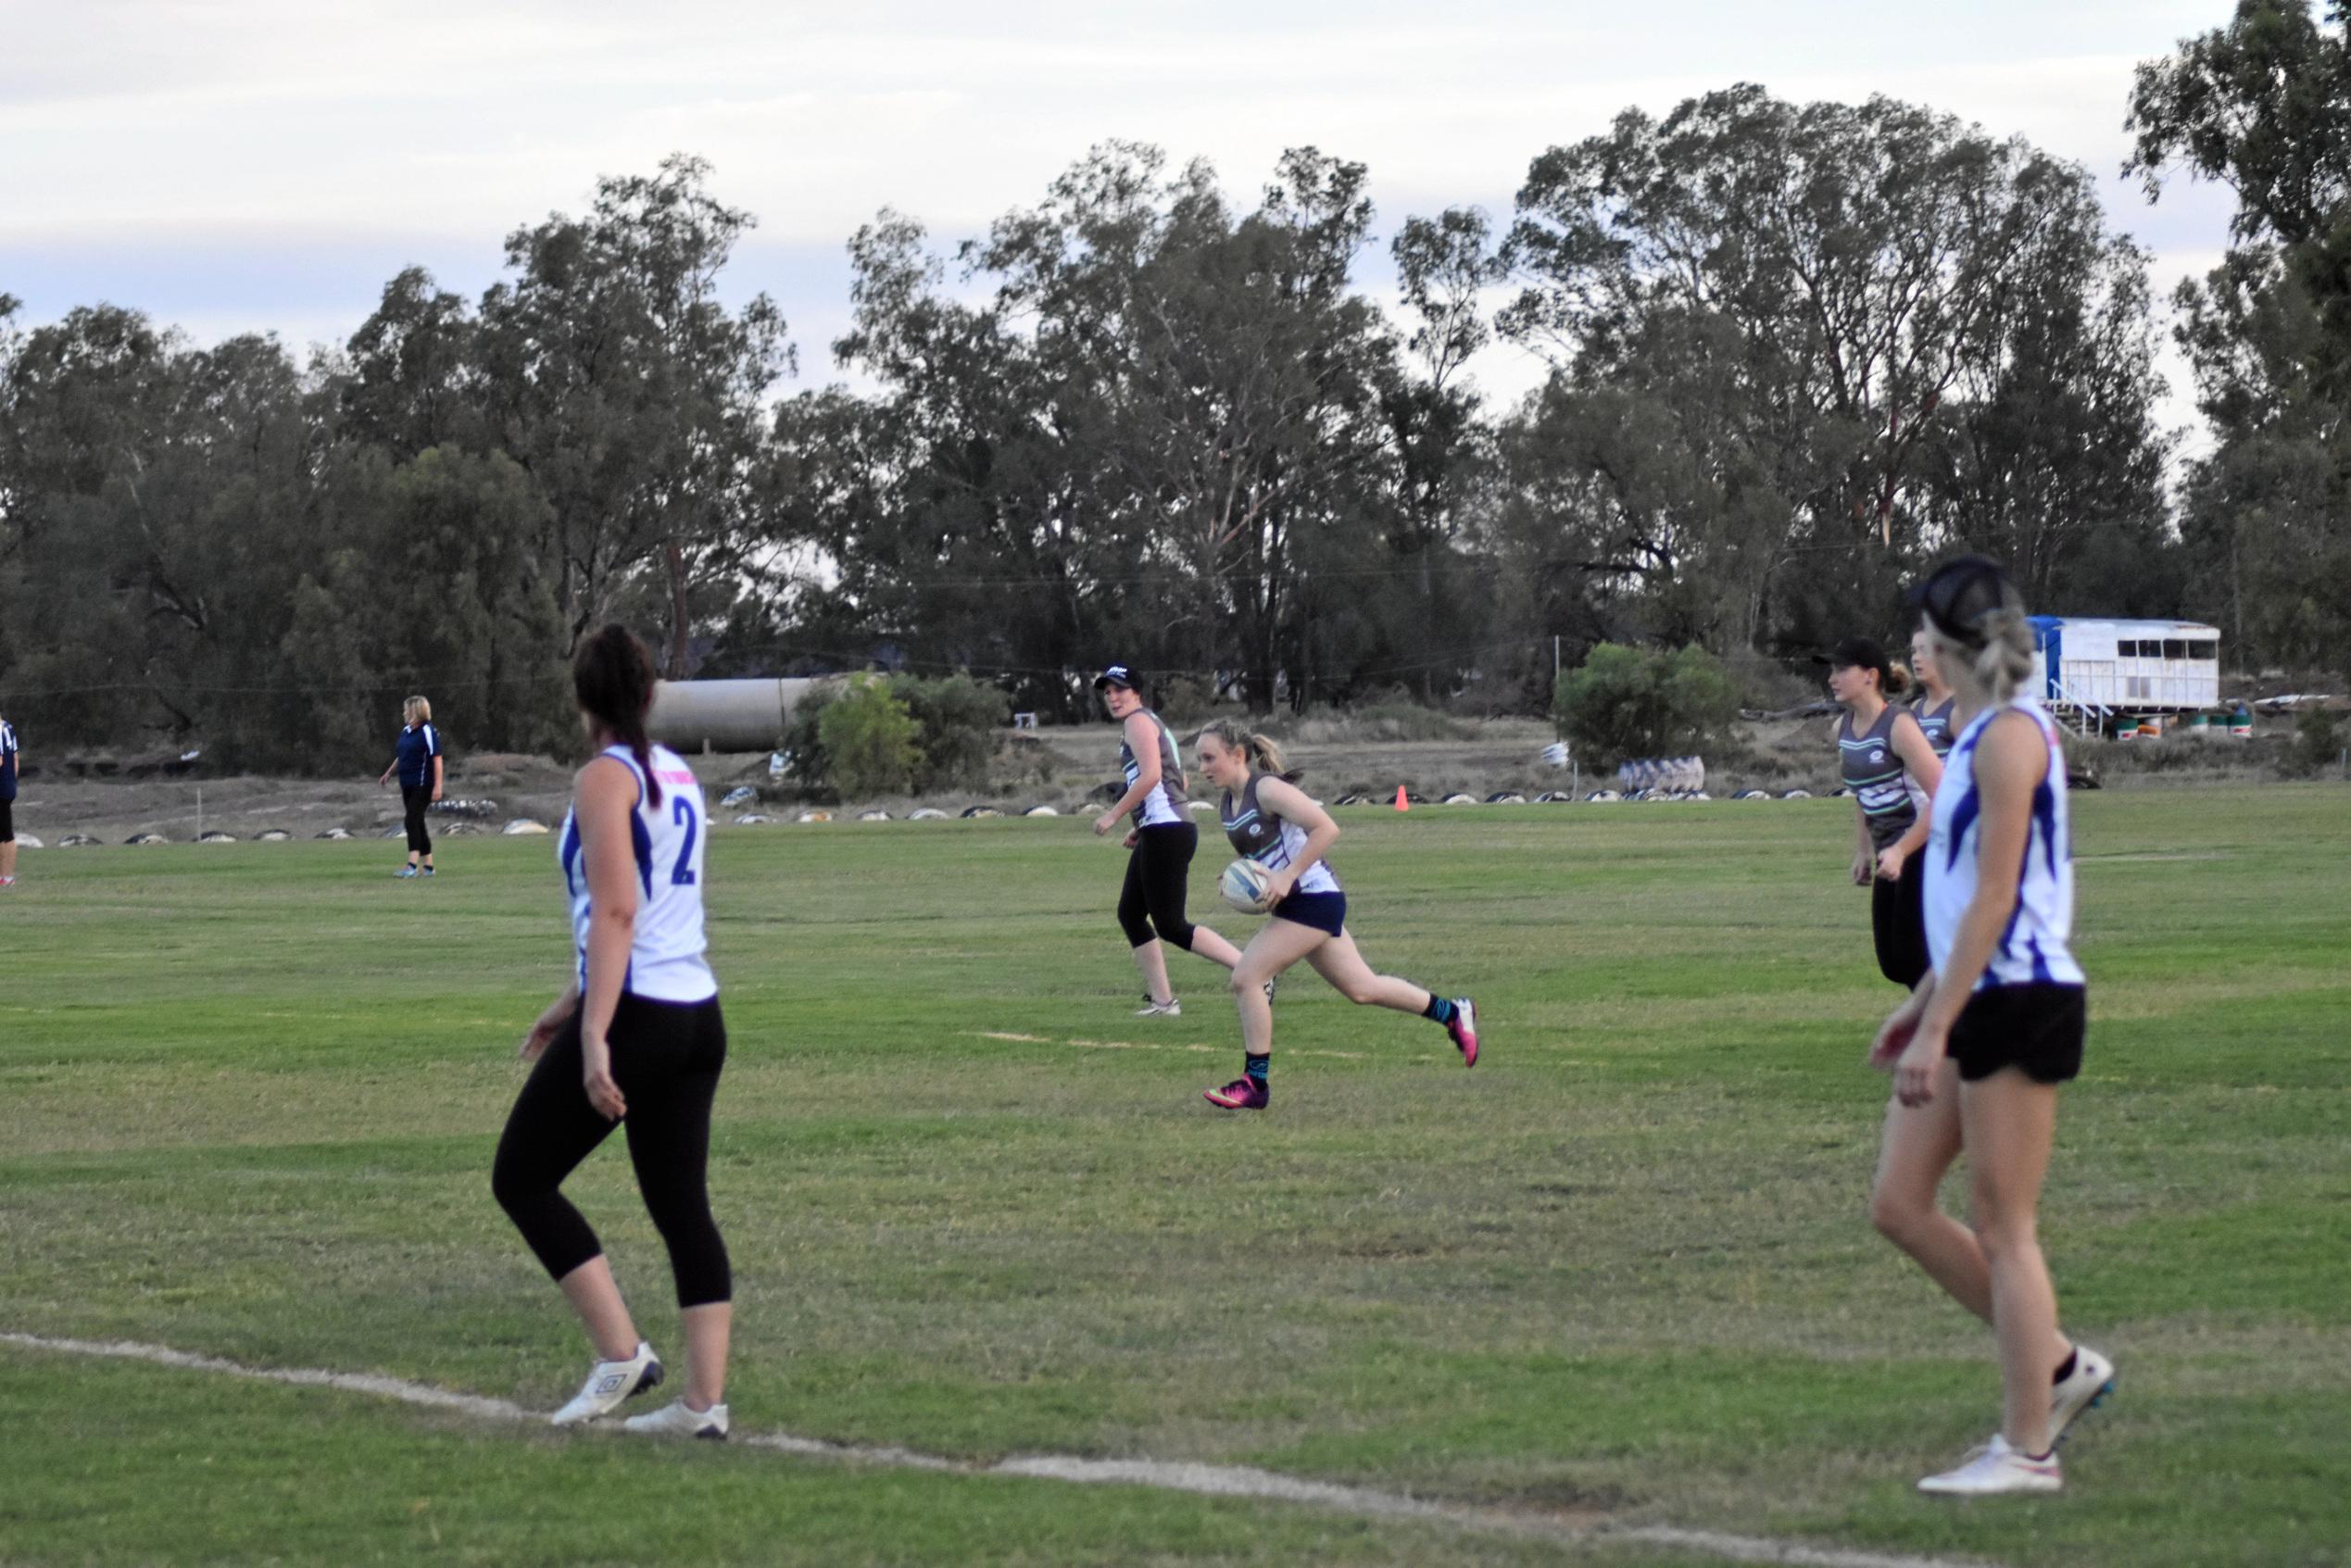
{"points": [[1243, 885]]}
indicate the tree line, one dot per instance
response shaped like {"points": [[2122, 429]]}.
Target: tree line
{"points": [[1795, 350]]}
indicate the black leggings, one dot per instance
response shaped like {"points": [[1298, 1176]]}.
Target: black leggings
{"points": [[414, 801], [1152, 904], [666, 1059], [1898, 923]]}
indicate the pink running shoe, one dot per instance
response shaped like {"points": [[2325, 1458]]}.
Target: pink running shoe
{"points": [[1242, 1094], [1463, 1029]]}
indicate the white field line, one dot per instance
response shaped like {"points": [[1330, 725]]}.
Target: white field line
{"points": [[1209, 1480]]}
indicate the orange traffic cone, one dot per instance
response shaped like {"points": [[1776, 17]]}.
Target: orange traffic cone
{"points": [[1402, 804]]}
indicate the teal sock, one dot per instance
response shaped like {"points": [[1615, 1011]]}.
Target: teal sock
{"points": [[1440, 1008], [1255, 1066]]}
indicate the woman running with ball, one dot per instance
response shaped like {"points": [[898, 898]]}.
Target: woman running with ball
{"points": [[636, 1036], [1275, 824], [1991, 1030]]}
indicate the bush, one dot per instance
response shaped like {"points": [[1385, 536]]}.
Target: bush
{"points": [[956, 724], [1626, 703], [868, 737], [2317, 742], [959, 720]]}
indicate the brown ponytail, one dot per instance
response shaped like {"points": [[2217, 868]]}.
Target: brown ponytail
{"points": [[1898, 680], [612, 678]]}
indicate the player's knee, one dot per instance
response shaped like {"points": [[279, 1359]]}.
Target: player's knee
{"points": [[2006, 1232], [513, 1191], [1896, 1214], [1137, 928], [1177, 935]]}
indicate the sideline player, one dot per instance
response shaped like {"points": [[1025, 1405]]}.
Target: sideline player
{"points": [[1996, 1025], [1880, 752], [416, 757], [1161, 846], [1271, 821], [8, 755], [637, 1034]]}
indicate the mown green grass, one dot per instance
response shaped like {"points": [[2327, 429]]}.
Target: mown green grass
{"points": [[247, 1097]]}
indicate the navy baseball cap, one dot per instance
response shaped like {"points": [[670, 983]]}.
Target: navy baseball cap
{"points": [[1961, 594], [1117, 675], [1860, 653]]}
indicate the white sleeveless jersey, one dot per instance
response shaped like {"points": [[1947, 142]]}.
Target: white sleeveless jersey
{"points": [[665, 962], [2036, 946]]}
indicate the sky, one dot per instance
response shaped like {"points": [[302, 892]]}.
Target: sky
{"points": [[231, 165]]}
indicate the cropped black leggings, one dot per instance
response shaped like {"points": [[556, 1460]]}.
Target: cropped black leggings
{"points": [[1152, 904], [666, 1059], [413, 802]]}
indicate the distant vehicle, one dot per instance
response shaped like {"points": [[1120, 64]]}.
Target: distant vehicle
{"points": [[2093, 669]]}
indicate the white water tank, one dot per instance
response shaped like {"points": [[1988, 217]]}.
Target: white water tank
{"points": [[723, 715]]}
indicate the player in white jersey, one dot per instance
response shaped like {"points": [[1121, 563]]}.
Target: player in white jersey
{"points": [[1160, 846], [1269, 820], [1995, 1026], [636, 1036]]}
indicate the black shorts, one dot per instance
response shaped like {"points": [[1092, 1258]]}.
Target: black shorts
{"points": [[1325, 913], [1898, 923], [7, 822], [2036, 1029]]}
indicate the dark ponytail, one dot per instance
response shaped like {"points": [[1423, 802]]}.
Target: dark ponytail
{"points": [[613, 677]]}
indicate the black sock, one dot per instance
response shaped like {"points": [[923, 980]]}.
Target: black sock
{"points": [[2066, 1371], [1440, 1008], [1255, 1067]]}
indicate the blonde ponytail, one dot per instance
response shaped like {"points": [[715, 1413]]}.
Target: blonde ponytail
{"points": [[1898, 680], [2006, 661], [1263, 753]]}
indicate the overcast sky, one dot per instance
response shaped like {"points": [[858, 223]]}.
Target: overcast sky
{"points": [[267, 165]]}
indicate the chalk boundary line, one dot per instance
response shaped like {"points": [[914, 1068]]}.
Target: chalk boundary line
{"points": [[1208, 1480]]}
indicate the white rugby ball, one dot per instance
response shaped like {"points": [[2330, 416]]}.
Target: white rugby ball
{"points": [[1243, 885]]}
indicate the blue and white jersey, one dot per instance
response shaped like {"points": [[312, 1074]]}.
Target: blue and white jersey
{"points": [[419, 744], [1273, 842], [666, 962], [2035, 948], [7, 761]]}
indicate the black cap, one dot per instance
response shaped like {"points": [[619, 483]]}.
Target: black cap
{"points": [[1861, 653], [1961, 592], [1117, 675]]}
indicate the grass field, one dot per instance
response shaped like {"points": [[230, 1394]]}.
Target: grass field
{"points": [[1620, 1273]]}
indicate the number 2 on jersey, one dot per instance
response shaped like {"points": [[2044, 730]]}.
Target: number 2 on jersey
{"points": [[682, 813]]}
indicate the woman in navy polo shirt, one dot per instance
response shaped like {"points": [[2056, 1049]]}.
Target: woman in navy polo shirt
{"points": [[418, 761], [8, 805]]}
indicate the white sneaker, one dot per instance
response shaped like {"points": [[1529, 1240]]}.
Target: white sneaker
{"points": [[1171, 1008], [2092, 1381], [1996, 1468], [676, 1421], [611, 1383]]}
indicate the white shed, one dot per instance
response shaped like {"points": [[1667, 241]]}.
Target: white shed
{"points": [[2098, 666]]}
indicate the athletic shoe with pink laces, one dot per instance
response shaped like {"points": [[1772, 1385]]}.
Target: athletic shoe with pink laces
{"points": [[1242, 1094], [1463, 1029]]}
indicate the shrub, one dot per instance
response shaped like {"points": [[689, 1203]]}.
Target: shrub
{"points": [[868, 737], [803, 736], [2317, 742], [1627, 703], [959, 720]]}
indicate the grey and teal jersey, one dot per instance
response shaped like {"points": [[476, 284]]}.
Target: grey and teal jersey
{"points": [[8, 761], [665, 956], [1873, 770], [1163, 805], [2036, 944], [1936, 722], [1273, 842]]}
